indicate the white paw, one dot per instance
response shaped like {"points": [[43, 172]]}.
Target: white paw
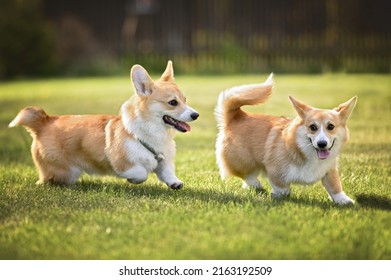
{"points": [[177, 185], [278, 193], [341, 199], [136, 181], [251, 187], [281, 193]]}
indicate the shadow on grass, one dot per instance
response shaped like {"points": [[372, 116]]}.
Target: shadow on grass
{"points": [[374, 201], [159, 191], [220, 196], [213, 195], [326, 205]]}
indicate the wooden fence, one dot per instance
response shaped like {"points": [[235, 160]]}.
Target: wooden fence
{"points": [[227, 35]]}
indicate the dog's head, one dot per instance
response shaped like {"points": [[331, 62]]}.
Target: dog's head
{"points": [[323, 131], [162, 100]]}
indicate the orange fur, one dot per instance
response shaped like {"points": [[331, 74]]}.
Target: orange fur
{"points": [[302, 150], [131, 145]]}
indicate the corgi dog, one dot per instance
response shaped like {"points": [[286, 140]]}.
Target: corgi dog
{"points": [[302, 150], [138, 141]]}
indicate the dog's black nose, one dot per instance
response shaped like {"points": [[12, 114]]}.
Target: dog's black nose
{"points": [[322, 144], [194, 116]]}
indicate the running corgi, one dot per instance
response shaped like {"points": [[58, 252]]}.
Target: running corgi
{"points": [[138, 141], [302, 150]]}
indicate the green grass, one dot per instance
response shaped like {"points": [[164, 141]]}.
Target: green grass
{"points": [[107, 218]]}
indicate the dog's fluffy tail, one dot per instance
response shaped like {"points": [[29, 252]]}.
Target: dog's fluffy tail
{"points": [[232, 99], [33, 118]]}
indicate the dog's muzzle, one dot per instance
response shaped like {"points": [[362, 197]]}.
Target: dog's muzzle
{"points": [[321, 150], [178, 125]]}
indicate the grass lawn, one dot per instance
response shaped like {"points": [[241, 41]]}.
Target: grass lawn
{"points": [[108, 218]]}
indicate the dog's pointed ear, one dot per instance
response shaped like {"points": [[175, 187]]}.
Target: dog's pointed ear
{"points": [[168, 73], [300, 107], [345, 109], [142, 82]]}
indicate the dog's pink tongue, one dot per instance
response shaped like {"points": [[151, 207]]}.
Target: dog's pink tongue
{"points": [[323, 154], [185, 127]]}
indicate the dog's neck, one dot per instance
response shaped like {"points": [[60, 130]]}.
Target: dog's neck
{"points": [[151, 133], [290, 134]]}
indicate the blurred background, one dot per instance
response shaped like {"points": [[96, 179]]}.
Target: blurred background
{"points": [[102, 37]]}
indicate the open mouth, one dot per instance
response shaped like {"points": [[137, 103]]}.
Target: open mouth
{"points": [[323, 153], [178, 125]]}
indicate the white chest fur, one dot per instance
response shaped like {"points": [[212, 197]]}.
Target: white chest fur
{"points": [[312, 171], [137, 153], [153, 133]]}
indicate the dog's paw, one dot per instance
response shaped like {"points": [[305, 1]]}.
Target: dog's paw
{"points": [[135, 181], [261, 191], [279, 196], [177, 185], [342, 199]]}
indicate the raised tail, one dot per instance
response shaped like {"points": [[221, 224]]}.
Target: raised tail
{"points": [[33, 118], [230, 100]]}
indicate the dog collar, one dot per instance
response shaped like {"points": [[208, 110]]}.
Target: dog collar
{"points": [[158, 156]]}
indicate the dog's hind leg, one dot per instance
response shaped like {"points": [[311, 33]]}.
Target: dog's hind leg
{"points": [[279, 192], [59, 176], [251, 182], [55, 172]]}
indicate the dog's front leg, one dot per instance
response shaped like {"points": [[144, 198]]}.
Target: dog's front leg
{"points": [[135, 174], [166, 173], [333, 185]]}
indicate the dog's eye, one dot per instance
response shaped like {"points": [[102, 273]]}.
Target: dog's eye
{"points": [[330, 126], [313, 127], [173, 102]]}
